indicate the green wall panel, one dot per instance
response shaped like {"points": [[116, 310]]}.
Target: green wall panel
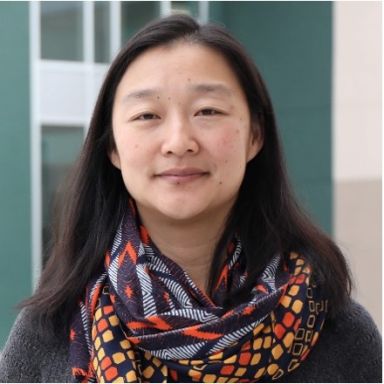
{"points": [[291, 42], [15, 264]]}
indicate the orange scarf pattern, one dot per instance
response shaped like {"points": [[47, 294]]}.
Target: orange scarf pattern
{"points": [[144, 320]]}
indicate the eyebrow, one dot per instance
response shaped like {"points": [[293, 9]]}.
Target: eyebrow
{"points": [[202, 88], [212, 88], [140, 94]]}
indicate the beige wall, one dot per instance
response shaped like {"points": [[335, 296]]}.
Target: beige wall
{"points": [[357, 145]]}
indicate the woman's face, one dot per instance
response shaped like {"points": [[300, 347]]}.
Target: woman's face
{"points": [[182, 130]]}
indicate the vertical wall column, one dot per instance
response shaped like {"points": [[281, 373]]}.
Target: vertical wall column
{"points": [[357, 144], [15, 259]]}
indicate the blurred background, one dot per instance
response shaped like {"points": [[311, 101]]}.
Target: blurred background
{"points": [[321, 62]]}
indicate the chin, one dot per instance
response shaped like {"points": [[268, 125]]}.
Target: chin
{"points": [[181, 215], [180, 211]]}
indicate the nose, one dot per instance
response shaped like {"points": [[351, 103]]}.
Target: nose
{"points": [[179, 138]]}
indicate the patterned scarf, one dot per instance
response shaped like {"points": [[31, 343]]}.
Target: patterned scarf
{"points": [[144, 320]]}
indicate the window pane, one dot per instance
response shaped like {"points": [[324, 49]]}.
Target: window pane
{"points": [[135, 14], [60, 148], [62, 30], [189, 7], [102, 28]]}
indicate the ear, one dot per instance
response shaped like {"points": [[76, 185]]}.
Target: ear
{"points": [[255, 143], [115, 158]]}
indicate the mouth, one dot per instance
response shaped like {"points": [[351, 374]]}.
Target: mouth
{"points": [[182, 175]]}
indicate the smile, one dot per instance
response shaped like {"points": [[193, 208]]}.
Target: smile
{"points": [[182, 175]]}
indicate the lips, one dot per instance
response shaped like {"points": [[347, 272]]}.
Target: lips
{"points": [[182, 175]]}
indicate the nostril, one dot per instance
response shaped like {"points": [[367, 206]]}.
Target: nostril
{"points": [[180, 148]]}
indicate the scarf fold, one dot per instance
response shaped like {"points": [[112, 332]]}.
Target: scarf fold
{"points": [[144, 320]]}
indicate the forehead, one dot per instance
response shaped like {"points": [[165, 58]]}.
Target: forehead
{"points": [[180, 63]]}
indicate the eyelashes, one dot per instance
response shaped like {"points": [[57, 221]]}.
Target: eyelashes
{"points": [[146, 116], [209, 112], [204, 112]]}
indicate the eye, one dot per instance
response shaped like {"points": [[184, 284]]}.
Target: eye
{"points": [[208, 112], [146, 116]]}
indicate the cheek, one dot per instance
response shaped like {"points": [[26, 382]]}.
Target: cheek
{"points": [[134, 162], [130, 150], [231, 145], [226, 142], [231, 153]]}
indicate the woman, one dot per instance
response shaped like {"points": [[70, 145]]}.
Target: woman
{"points": [[181, 254]]}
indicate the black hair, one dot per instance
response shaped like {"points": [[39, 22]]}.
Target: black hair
{"points": [[265, 215]]}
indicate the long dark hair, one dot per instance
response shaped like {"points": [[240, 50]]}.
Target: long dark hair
{"points": [[265, 215]]}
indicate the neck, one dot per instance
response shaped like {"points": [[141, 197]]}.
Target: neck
{"points": [[190, 244]]}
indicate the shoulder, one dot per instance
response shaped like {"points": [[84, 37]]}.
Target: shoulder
{"points": [[348, 350], [356, 336], [356, 344], [19, 351], [355, 317], [29, 357]]}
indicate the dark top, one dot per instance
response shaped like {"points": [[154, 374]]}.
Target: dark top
{"points": [[348, 350]]}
